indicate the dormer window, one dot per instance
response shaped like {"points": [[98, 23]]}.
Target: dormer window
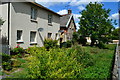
{"points": [[33, 13]]}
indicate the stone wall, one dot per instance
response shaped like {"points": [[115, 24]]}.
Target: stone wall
{"points": [[116, 68]]}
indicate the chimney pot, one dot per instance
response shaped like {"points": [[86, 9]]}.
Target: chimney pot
{"points": [[69, 11]]}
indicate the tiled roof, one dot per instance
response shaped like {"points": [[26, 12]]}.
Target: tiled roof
{"points": [[64, 20]]}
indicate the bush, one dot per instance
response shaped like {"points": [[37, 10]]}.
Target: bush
{"points": [[49, 43], [6, 62], [66, 44], [75, 38], [82, 40], [57, 63], [101, 45], [17, 50]]}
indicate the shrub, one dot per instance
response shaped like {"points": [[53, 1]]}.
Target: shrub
{"points": [[67, 44], [49, 43], [17, 50], [75, 38], [6, 62], [57, 63], [101, 45], [82, 40]]}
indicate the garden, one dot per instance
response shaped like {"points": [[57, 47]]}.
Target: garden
{"points": [[73, 62]]}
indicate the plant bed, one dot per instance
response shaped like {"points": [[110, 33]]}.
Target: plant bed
{"points": [[76, 62]]}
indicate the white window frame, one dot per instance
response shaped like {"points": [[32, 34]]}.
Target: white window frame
{"points": [[33, 13], [50, 35], [21, 36], [50, 18], [35, 38]]}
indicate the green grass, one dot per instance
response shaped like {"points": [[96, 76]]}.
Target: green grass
{"points": [[103, 62], [101, 68]]}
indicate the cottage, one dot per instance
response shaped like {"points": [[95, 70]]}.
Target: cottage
{"points": [[28, 23], [67, 26]]}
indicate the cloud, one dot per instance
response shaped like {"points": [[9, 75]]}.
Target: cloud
{"points": [[114, 16], [52, 1], [48, 4], [77, 26], [76, 16], [61, 12], [81, 8], [78, 1]]}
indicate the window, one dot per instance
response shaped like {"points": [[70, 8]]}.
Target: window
{"points": [[49, 18], [19, 35], [32, 36], [33, 13], [49, 35]]}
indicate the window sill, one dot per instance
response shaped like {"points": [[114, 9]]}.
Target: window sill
{"points": [[20, 41], [33, 20], [33, 43], [50, 24]]}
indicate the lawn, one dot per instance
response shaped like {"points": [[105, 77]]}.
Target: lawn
{"points": [[75, 62]]}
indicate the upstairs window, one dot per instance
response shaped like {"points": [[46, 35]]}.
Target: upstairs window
{"points": [[32, 36], [19, 35], [33, 13], [49, 18]]}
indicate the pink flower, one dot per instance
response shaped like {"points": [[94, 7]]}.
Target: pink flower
{"points": [[18, 45], [28, 48]]}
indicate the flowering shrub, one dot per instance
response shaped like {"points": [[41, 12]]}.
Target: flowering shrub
{"points": [[17, 50]]}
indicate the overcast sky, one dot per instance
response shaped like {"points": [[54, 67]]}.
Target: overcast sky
{"points": [[61, 7]]}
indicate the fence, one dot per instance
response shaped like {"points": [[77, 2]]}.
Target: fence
{"points": [[116, 68]]}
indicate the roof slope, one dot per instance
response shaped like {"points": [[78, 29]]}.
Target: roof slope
{"points": [[64, 20]]}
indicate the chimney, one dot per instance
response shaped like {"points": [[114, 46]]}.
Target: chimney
{"points": [[69, 11]]}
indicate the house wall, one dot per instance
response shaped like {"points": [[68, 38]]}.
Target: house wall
{"points": [[4, 16], [70, 30], [4, 48], [21, 20]]}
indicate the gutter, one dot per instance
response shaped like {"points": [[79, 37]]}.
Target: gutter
{"points": [[8, 22]]}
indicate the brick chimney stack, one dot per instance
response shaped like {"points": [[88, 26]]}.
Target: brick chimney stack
{"points": [[69, 11]]}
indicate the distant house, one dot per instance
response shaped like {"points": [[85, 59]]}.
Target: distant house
{"points": [[28, 23], [67, 26]]}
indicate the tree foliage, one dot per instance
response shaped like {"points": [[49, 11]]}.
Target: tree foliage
{"points": [[114, 34], [95, 22]]}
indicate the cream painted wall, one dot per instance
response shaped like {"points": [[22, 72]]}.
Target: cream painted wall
{"points": [[4, 16], [21, 20]]}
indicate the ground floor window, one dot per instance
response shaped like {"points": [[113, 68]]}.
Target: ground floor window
{"points": [[19, 35], [32, 36], [49, 35]]}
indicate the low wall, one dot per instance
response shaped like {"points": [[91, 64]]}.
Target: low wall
{"points": [[116, 68]]}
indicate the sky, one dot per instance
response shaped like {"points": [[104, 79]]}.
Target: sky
{"points": [[61, 7]]}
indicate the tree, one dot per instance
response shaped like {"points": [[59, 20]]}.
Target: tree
{"points": [[95, 23], [114, 34]]}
